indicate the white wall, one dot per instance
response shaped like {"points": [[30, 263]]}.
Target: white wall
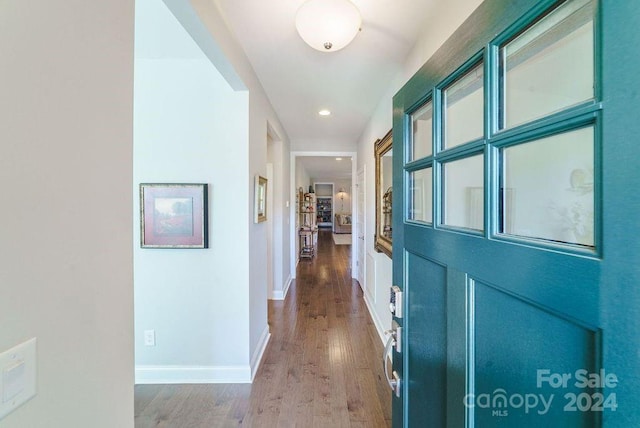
{"points": [[343, 206], [65, 227], [379, 276], [190, 127], [261, 115], [233, 64], [279, 156], [303, 179], [271, 265]]}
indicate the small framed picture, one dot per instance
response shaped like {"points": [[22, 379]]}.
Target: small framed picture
{"points": [[173, 216], [260, 203]]}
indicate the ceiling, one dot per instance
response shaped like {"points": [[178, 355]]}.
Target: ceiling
{"points": [[300, 81], [326, 166]]}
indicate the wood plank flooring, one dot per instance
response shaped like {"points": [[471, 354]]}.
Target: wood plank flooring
{"points": [[322, 367]]}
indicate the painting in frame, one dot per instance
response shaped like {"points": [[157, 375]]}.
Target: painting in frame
{"points": [[260, 203], [383, 152], [173, 215]]}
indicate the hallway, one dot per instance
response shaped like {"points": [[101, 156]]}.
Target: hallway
{"points": [[322, 367]]}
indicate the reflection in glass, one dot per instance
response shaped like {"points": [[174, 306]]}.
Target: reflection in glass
{"points": [[549, 188], [422, 132], [550, 66], [463, 102], [421, 202], [463, 193]]}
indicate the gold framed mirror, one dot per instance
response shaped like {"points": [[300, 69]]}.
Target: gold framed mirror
{"points": [[384, 192]]}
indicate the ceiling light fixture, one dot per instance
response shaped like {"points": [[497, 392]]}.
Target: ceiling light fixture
{"points": [[324, 112], [328, 25], [338, 159]]}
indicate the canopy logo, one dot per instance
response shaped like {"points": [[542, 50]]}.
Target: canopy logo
{"points": [[595, 397], [500, 403]]}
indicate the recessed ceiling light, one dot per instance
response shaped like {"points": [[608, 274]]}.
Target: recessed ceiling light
{"points": [[324, 112], [338, 158]]}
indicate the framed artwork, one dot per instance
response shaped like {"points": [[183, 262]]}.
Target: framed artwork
{"points": [[383, 152], [173, 216], [260, 202]]}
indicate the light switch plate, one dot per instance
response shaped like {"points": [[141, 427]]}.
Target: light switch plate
{"points": [[17, 376], [13, 381]]}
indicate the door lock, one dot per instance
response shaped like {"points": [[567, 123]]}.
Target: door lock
{"points": [[395, 301]]}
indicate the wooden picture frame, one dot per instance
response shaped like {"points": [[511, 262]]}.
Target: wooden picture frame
{"points": [[174, 215], [384, 188], [260, 199]]}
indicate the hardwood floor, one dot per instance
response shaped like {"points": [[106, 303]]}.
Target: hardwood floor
{"points": [[322, 367]]}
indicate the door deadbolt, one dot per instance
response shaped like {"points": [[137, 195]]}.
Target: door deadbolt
{"points": [[395, 301]]}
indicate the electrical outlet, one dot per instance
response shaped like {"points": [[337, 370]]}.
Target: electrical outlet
{"points": [[149, 338]]}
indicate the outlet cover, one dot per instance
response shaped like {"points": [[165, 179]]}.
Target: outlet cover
{"points": [[149, 338]]}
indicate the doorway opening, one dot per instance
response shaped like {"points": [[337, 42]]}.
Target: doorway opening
{"points": [[335, 168]]}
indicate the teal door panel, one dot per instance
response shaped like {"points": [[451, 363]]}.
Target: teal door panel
{"points": [[518, 345], [488, 259], [620, 286], [502, 327], [426, 289]]}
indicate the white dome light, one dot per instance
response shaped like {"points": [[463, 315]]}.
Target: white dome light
{"points": [[328, 25]]}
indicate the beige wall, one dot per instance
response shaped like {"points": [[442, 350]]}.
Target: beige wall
{"points": [[66, 119]]}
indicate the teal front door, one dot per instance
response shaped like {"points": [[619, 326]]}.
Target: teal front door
{"points": [[516, 165]]}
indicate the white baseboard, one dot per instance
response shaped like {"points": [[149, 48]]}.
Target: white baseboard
{"points": [[282, 294], [192, 374], [204, 374], [376, 320], [257, 355]]}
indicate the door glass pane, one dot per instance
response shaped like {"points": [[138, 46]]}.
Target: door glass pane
{"points": [[549, 188], [463, 193], [550, 66], [463, 102], [422, 132], [421, 191]]}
